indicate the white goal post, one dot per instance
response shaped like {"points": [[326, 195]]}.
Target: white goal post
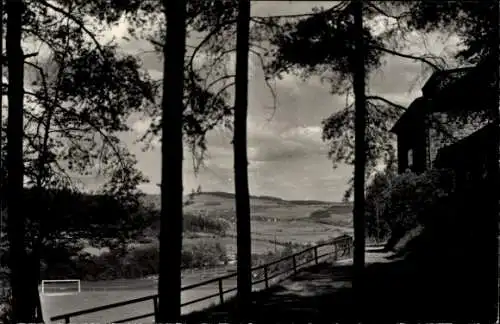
{"points": [[61, 287]]}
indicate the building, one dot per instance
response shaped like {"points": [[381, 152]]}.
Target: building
{"points": [[466, 221], [425, 127], [412, 137]]}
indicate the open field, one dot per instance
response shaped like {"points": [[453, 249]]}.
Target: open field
{"points": [[269, 209], [104, 292], [100, 293], [275, 222], [95, 294]]}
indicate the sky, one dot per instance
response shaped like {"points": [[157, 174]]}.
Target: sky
{"points": [[287, 157]]}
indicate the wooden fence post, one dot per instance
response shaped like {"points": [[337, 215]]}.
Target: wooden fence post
{"points": [[266, 277], [155, 306], [221, 292]]}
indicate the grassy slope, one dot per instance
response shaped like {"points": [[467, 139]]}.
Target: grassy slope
{"points": [[273, 219]]}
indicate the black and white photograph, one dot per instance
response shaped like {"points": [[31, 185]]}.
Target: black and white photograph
{"points": [[237, 161]]}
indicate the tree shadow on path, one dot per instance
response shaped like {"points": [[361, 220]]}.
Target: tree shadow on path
{"points": [[396, 291]]}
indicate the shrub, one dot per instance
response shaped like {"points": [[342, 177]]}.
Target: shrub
{"points": [[5, 311], [377, 226], [205, 253], [143, 261], [203, 223], [411, 197], [5, 302], [403, 201]]}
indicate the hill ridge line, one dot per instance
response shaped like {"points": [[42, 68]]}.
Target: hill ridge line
{"points": [[229, 195]]}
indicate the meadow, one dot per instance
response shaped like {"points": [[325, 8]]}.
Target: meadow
{"points": [[99, 293], [273, 220], [276, 224]]}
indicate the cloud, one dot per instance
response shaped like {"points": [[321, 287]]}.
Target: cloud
{"points": [[270, 8], [117, 32], [309, 133], [287, 156], [140, 126], [296, 143], [278, 162]]}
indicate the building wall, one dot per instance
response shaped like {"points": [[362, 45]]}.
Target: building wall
{"points": [[413, 139], [437, 140], [426, 141]]}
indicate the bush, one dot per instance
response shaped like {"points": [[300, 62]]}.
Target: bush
{"points": [[5, 311], [5, 302], [204, 223], [411, 197], [377, 226], [402, 202], [205, 253], [141, 262]]}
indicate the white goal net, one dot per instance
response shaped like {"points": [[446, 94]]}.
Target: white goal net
{"points": [[61, 287]]}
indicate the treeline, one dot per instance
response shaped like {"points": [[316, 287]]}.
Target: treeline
{"points": [[195, 222], [135, 263], [144, 261], [76, 216]]}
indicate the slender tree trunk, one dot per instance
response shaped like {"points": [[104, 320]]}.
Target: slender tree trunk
{"points": [[35, 257], [1, 124], [244, 279], [2, 165], [16, 221], [169, 285], [358, 66], [2, 174], [491, 312]]}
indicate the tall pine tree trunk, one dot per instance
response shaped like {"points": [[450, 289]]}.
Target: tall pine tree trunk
{"points": [[2, 174], [35, 257], [2, 164], [244, 279], [16, 222], [491, 310], [169, 285], [358, 69]]}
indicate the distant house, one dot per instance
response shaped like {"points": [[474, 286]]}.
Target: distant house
{"points": [[420, 130], [231, 258]]}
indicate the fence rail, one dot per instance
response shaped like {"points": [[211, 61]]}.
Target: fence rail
{"points": [[265, 273]]}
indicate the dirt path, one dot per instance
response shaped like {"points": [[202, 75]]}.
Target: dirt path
{"points": [[396, 290]]}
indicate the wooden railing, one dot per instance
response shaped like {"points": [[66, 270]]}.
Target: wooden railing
{"points": [[267, 274]]}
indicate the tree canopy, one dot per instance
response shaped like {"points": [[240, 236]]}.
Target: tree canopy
{"points": [[278, 43], [78, 100], [327, 35]]}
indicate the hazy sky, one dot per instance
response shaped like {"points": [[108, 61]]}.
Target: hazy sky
{"points": [[286, 154]]}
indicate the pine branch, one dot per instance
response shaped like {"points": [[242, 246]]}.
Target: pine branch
{"points": [[104, 136], [408, 56], [77, 21], [386, 101]]}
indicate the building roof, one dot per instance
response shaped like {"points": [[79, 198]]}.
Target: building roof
{"points": [[476, 89], [440, 80], [415, 108], [442, 86]]}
